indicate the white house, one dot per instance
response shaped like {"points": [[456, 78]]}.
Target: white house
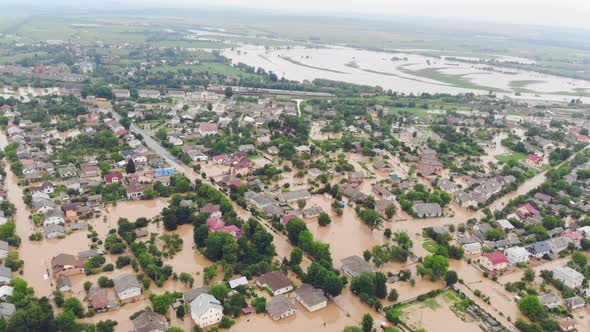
{"points": [[310, 297], [206, 310], [127, 286], [517, 255], [53, 217], [276, 281], [472, 248], [570, 277]]}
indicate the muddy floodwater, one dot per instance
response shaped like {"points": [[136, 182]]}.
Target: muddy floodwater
{"points": [[403, 72]]}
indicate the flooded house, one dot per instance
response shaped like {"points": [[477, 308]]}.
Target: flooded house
{"points": [[97, 300], [550, 300], [63, 283], [568, 276], [4, 249], [66, 264], [280, 307], [574, 302], [494, 261], [149, 321], [312, 212], [384, 193], [311, 298], [206, 310], [354, 265], [54, 231], [275, 281], [293, 196], [427, 210], [517, 255], [5, 275], [189, 296], [127, 286]]}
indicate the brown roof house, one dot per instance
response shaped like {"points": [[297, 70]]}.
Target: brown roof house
{"points": [[149, 321], [311, 298], [280, 307], [276, 281], [97, 300], [66, 264]]}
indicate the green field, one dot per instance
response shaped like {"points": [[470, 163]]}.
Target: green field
{"points": [[517, 156], [419, 112]]}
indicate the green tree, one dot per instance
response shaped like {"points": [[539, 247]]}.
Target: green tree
{"points": [[161, 303], [259, 304], [296, 256], [393, 295], [529, 275], [367, 323], [186, 278], [75, 306], [219, 291], [324, 219], [294, 228], [531, 307], [451, 278], [228, 92]]}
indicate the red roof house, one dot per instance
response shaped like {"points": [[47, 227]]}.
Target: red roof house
{"points": [[494, 261], [113, 178]]}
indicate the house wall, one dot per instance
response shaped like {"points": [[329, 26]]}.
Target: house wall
{"points": [[129, 293], [212, 316], [286, 314]]}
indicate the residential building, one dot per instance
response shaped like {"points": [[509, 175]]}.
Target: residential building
{"points": [[550, 300], [494, 261], [311, 298], [473, 248], [293, 196], [355, 265], [66, 264], [206, 310], [280, 307], [5, 275], [574, 303], [517, 255], [276, 281], [427, 210], [127, 286], [191, 295], [570, 277], [149, 321]]}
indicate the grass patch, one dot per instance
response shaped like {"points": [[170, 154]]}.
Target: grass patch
{"points": [[431, 304], [505, 158], [521, 86], [288, 59], [459, 81], [419, 112], [430, 246]]}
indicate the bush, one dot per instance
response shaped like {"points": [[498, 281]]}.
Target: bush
{"points": [[105, 282], [226, 323]]}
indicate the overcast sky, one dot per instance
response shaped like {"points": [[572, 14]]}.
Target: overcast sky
{"points": [[570, 13]]}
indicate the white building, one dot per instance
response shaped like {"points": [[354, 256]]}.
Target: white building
{"points": [[472, 248], [310, 297], [570, 277], [206, 310], [517, 255], [127, 286]]}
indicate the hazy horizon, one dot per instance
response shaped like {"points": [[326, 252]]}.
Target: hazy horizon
{"points": [[565, 13]]}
